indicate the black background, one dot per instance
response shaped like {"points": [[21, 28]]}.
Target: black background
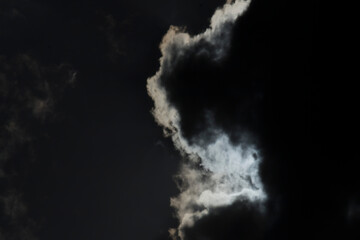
{"points": [[97, 166]]}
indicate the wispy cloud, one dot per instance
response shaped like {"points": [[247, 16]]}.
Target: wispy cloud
{"points": [[29, 92]]}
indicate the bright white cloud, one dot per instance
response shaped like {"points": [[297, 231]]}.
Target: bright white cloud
{"points": [[217, 173]]}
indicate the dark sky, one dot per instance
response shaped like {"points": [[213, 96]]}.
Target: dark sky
{"points": [[81, 156]]}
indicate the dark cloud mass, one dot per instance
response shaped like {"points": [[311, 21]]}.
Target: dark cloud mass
{"points": [[201, 101], [262, 91], [240, 221], [229, 92]]}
